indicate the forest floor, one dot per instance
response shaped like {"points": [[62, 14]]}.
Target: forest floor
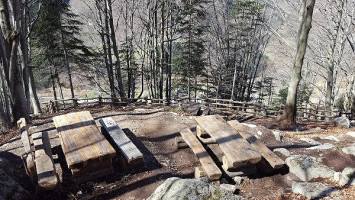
{"points": [[153, 130]]}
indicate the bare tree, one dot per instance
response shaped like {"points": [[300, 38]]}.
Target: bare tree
{"points": [[306, 13]]}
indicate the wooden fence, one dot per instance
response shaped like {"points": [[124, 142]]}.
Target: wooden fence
{"points": [[304, 112]]}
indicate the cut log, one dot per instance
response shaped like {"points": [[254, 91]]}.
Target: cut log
{"points": [[237, 150], [130, 152], [243, 171], [199, 173], [47, 176], [217, 151], [180, 143], [269, 156], [201, 133], [211, 169], [27, 157]]}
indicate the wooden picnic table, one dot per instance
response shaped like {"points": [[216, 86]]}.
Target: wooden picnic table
{"points": [[87, 152]]}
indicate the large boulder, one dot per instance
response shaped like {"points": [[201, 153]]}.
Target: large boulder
{"points": [[349, 150], [312, 190], [347, 177], [10, 189], [342, 122], [307, 167], [194, 189]]}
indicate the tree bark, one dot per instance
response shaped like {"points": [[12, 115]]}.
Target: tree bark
{"points": [[306, 13], [115, 51]]}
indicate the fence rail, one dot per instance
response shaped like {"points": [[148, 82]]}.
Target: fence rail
{"points": [[304, 112]]}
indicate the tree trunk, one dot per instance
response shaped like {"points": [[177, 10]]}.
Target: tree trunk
{"points": [[306, 13], [33, 93], [115, 51]]}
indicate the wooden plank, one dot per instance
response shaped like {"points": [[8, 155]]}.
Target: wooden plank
{"points": [[237, 150], [269, 156], [124, 144], [81, 140], [211, 169], [28, 155], [47, 176]]}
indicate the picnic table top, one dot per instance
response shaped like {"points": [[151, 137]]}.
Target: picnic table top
{"points": [[81, 139]]}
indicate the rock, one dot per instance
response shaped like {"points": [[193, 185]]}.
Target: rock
{"points": [[322, 147], [238, 180], [179, 189], [347, 176], [349, 149], [283, 151], [310, 141], [277, 135], [259, 133], [10, 189], [337, 176], [228, 187], [249, 125], [307, 167], [333, 138], [312, 190], [351, 133], [342, 122]]}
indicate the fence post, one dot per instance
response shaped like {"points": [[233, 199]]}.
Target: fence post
{"points": [[75, 102], [100, 100]]}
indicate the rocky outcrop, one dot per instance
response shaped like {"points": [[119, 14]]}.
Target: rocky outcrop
{"points": [[10, 189], [181, 189], [312, 190], [343, 122], [307, 167]]}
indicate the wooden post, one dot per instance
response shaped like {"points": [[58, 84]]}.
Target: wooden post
{"points": [[100, 100], [75, 103]]}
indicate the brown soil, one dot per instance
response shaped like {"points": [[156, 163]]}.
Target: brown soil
{"points": [[154, 134]]}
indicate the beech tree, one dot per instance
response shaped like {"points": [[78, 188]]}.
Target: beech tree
{"points": [[306, 13], [14, 103]]}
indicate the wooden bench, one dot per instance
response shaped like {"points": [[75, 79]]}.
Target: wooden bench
{"points": [[209, 166], [87, 153], [237, 151], [46, 173], [28, 156], [269, 156], [121, 142], [38, 158]]}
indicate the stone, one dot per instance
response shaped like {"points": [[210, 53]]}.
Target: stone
{"points": [[249, 125], [179, 189], [312, 190], [349, 150], [322, 147], [332, 138], [307, 167], [310, 141], [283, 151], [229, 187], [278, 136], [238, 180], [347, 176], [343, 122], [351, 133], [337, 176], [10, 189]]}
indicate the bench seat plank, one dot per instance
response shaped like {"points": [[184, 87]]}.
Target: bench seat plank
{"points": [[46, 173], [209, 166], [130, 152], [269, 156]]}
